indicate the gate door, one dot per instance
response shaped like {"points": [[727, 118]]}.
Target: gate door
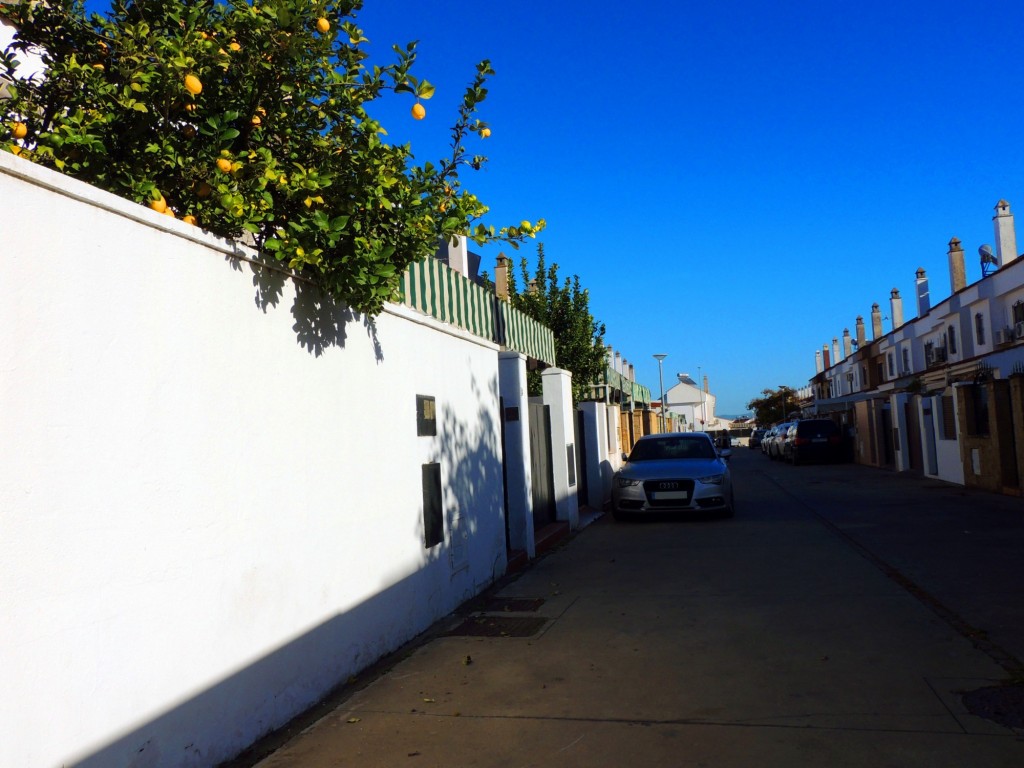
{"points": [[540, 465]]}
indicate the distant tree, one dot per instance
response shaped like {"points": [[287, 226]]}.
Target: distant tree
{"points": [[773, 405], [564, 307]]}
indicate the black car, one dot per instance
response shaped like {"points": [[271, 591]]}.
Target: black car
{"points": [[814, 440]]}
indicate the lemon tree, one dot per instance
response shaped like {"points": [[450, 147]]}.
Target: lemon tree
{"points": [[249, 117]]}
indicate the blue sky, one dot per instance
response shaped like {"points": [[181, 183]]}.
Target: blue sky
{"points": [[733, 182]]}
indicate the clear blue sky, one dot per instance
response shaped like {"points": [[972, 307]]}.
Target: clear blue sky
{"points": [[734, 182]]}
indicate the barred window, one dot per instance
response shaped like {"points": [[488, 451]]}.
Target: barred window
{"points": [[979, 328], [952, 339]]}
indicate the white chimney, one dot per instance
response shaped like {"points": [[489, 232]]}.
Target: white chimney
{"points": [[862, 338], [847, 343], [818, 365], [1006, 239], [895, 308], [924, 302], [458, 254], [835, 351]]}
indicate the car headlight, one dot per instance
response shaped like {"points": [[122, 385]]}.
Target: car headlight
{"points": [[712, 479], [626, 482]]}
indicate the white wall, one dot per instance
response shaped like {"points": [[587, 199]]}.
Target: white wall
{"points": [[211, 484]]}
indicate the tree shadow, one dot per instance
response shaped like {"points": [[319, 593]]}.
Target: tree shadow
{"points": [[321, 322]]}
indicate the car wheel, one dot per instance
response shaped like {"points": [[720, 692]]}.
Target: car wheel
{"points": [[619, 516], [795, 459]]}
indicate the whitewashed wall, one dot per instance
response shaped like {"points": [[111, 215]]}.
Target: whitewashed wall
{"points": [[210, 484]]}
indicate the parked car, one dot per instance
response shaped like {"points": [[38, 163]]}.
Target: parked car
{"points": [[775, 446], [677, 472], [755, 438], [814, 440], [766, 439]]}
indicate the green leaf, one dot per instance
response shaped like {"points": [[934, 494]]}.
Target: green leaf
{"points": [[229, 134], [425, 90]]}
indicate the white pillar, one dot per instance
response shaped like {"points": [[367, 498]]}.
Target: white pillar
{"points": [[518, 476], [557, 388], [595, 429]]}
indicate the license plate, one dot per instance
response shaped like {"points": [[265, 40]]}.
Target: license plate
{"points": [[670, 496], [819, 440]]}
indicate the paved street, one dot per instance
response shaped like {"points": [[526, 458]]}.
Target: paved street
{"points": [[831, 623]]}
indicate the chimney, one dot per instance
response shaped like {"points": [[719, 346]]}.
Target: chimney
{"points": [[924, 302], [632, 373], [876, 322], [706, 390], [896, 308], [847, 343], [1006, 239], [957, 273], [817, 361], [501, 276], [862, 338], [825, 357], [458, 254], [835, 351], [617, 365]]}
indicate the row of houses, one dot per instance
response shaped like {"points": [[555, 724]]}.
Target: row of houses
{"points": [[942, 393]]}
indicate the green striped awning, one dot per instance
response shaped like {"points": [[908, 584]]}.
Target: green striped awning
{"points": [[614, 380], [435, 289]]}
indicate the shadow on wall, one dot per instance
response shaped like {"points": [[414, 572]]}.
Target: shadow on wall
{"points": [[320, 322], [221, 721]]}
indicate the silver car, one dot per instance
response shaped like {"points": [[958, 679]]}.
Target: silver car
{"points": [[674, 472]]}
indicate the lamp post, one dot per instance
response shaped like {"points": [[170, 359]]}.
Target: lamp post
{"points": [[782, 389], [661, 383], [703, 412]]}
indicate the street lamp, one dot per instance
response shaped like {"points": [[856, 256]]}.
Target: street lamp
{"points": [[782, 389], [661, 383], [703, 412]]}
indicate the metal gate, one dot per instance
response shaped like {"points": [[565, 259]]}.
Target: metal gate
{"points": [[541, 467]]}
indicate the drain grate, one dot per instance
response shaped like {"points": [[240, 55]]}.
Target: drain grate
{"points": [[513, 604], [498, 626]]}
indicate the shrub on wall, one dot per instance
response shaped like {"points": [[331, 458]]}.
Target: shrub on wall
{"points": [[244, 117]]}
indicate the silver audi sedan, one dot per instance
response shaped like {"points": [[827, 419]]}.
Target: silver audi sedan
{"points": [[678, 472]]}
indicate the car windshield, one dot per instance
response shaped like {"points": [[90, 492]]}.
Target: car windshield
{"points": [[673, 448]]}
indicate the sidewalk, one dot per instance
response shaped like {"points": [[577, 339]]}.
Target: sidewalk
{"points": [[768, 640]]}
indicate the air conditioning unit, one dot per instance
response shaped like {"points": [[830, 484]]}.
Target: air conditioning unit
{"points": [[1002, 336], [1018, 330]]}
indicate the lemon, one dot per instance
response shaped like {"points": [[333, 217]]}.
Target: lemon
{"points": [[159, 205], [224, 165], [323, 25], [19, 130], [485, 133], [418, 111], [193, 85]]}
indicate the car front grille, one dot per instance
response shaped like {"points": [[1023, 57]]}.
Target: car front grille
{"points": [[653, 488]]}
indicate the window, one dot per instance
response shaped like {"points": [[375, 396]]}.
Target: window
{"points": [[979, 328], [948, 431], [952, 340], [889, 362], [1018, 312], [906, 359]]}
